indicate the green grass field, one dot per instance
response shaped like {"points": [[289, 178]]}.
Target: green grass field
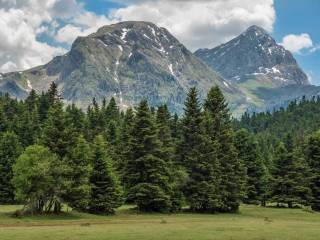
{"points": [[251, 223]]}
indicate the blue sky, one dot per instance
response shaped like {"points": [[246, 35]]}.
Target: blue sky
{"points": [[292, 17], [296, 17], [34, 31]]}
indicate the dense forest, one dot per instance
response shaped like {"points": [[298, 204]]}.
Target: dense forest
{"points": [[204, 161]]}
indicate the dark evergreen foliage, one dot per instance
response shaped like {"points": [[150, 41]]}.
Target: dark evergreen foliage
{"points": [[106, 193], [220, 130], [257, 175], [10, 149], [161, 161]]}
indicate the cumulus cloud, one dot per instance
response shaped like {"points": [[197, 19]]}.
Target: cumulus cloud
{"points": [[82, 25], [296, 43], [203, 23], [21, 23], [196, 23]]}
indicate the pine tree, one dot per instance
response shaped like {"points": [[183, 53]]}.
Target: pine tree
{"points": [[175, 127], [291, 177], [198, 154], [106, 194], [147, 174], [257, 175], [10, 149], [47, 100], [3, 121], [75, 119], [53, 95], [112, 111], [220, 130], [163, 119], [54, 134], [125, 138], [28, 128], [112, 133], [32, 101], [313, 158], [96, 123], [78, 161]]}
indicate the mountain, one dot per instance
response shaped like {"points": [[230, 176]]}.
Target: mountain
{"points": [[263, 70], [130, 61]]}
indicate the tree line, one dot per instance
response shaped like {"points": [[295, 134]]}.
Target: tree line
{"points": [[287, 144], [95, 161]]}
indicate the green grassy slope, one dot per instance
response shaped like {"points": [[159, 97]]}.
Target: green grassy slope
{"points": [[251, 223]]}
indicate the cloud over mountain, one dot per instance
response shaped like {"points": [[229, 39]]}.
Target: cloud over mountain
{"points": [[34, 31]]}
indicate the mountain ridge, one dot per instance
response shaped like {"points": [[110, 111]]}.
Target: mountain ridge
{"points": [[257, 65], [128, 60]]}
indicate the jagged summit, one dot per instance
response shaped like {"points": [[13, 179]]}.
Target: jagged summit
{"points": [[130, 61], [265, 72], [256, 30], [253, 53]]}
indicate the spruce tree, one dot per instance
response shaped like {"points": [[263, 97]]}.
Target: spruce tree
{"points": [[175, 127], [75, 119], [112, 111], [125, 138], [96, 123], [220, 131], [78, 161], [163, 121], [106, 193], [257, 175], [28, 128], [10, 149], [147, 174], [198, 155], [32, 101], [313, 158], [291, 177], [54, 134]]}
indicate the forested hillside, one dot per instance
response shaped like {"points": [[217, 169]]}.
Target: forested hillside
{"points": [[53, 155], [288, 143]]}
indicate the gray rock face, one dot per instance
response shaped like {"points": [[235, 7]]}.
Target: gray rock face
{"points": [[130, 61], [266, 73], [254, 54]]}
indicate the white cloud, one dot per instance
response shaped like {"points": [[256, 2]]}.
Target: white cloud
{"points": [[196, 23], [21, 22], [19, 48], [315, 48], [82, 25], [201, 23], [296, 43]]}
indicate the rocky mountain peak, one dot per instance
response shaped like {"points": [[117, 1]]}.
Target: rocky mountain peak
{"points": [[130, 61], [253, 53], [255, 30]]}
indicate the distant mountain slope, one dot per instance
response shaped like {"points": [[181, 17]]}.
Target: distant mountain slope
{"points": [[130, 61], [251, 54], [257, 64]]}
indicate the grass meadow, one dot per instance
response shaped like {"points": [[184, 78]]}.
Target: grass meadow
{"points": [[251, 223]]}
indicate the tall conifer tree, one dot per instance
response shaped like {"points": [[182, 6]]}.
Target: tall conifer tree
{"points": [[147, 174], [257, 175], [78, 161], [313, 158], [291, 177], [106, 193], [220, 130], [198, 154], [10, 149]]}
